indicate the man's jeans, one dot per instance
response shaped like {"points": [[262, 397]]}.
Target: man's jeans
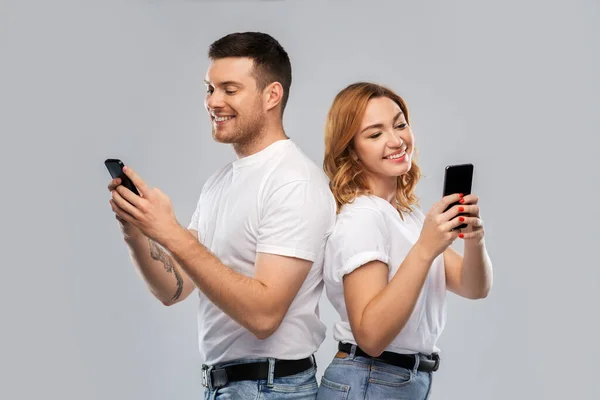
{"points": [[300, 386]]}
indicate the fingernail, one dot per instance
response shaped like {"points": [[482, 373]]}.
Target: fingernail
{"points": [[461, 209], [461, 235], [461, 219], [461, 195], [461, 200]]}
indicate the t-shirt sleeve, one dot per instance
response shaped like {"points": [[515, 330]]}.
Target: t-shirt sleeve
{"points": [[296, 220], [360, 236], [195, 218]]}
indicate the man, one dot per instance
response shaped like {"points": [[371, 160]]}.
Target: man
{"points": [[254, 247]]}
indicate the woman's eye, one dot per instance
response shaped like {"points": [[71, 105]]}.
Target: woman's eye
{"points": [[375, 135]]}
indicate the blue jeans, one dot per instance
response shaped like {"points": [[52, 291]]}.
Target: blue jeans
{"points": [[363, 378], [300, 386]]}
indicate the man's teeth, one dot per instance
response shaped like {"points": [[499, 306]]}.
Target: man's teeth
{"points": [[392, 157], [221, 119]]}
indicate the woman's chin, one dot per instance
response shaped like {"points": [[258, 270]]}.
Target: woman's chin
{"points": [[398, 170]]}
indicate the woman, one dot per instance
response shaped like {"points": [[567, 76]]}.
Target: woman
{"points": [[387, 265]]}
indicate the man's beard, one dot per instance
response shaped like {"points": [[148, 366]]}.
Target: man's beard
{"points": [[242, 134]]}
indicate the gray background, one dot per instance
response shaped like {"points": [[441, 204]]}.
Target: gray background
{"points": [[510, 86]]}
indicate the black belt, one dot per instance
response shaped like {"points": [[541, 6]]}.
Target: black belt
{"points": [[217, 377], [426, 363]]}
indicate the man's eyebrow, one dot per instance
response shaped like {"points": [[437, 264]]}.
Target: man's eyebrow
{"points": [[224, 83]]}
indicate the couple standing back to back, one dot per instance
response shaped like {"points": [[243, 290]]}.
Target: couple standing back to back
{"points": [[271, 228]]}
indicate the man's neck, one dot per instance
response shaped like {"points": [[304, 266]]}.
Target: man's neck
{"points": [[260, 142]]}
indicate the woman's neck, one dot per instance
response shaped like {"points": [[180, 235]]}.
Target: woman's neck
{"points": [[384, 187]]}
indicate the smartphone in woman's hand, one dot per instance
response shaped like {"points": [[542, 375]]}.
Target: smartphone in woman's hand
{"points": [[458, 179]]}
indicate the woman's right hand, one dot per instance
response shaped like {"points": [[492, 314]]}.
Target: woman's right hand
{"points": [[437, 232]]}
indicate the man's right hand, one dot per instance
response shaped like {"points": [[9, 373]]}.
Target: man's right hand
{"points": [[163, 275], [129, 231]]}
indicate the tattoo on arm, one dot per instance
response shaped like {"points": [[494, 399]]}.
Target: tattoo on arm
{"points": [[158, 254]]}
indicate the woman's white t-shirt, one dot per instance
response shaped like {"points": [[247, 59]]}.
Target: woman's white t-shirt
{"points": [[371, 229]]}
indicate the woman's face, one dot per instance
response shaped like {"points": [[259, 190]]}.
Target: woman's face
{"points": [[385, 143]]}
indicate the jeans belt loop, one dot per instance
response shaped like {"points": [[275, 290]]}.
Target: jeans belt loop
{"points": [[271, 373], [417, 361], [353, 351]]}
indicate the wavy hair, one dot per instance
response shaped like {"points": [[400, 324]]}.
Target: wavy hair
{"points": [[347, 178]]}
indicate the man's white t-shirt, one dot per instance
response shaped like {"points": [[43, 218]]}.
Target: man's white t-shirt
{"points": [[276, 201], [371, 229]]}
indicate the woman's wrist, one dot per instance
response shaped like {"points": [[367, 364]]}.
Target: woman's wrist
{"points": [[423, 252]]}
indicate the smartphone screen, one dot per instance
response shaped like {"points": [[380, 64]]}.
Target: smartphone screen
{"points": [[115, 168], [458, 179]]}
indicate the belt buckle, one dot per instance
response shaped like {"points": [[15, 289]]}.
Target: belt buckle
{"points": [[206, 378]]}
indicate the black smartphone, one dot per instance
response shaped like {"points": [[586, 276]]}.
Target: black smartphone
{"points": [[458, 179], [115, 167]]}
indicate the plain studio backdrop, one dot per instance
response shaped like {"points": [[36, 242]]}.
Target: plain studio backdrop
{"points": [[510, 86]]}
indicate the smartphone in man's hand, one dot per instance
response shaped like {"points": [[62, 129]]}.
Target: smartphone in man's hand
{"points": [[115, 168]]}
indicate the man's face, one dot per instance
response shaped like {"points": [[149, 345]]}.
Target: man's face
{"points": [[233, 101]]}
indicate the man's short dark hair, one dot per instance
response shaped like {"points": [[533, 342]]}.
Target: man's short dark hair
{"points": [[271, 62]]}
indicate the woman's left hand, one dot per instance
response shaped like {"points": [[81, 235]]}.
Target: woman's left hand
{"points": [[474, 230]]}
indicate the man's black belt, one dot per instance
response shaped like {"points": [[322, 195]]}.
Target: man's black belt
{"points": [[217, 377]]}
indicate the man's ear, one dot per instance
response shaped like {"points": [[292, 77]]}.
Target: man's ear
{"points": [[273, 95]]}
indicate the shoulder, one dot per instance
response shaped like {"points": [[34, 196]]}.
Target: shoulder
{"points": [[363, 215], [213, 181], [217, 177], [364, 206], [292, 165]]}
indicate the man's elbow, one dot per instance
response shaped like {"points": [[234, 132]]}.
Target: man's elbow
{"points": [[169, 301], [264, 327]]}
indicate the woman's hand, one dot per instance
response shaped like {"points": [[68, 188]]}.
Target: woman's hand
{"points": [[438, 228], [474, 231]]}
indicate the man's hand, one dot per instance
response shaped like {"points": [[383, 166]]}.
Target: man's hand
{"points": [[128, 230], [151, 212]]}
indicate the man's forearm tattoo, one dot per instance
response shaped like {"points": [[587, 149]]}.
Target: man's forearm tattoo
{"points": [[158, 254]]}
